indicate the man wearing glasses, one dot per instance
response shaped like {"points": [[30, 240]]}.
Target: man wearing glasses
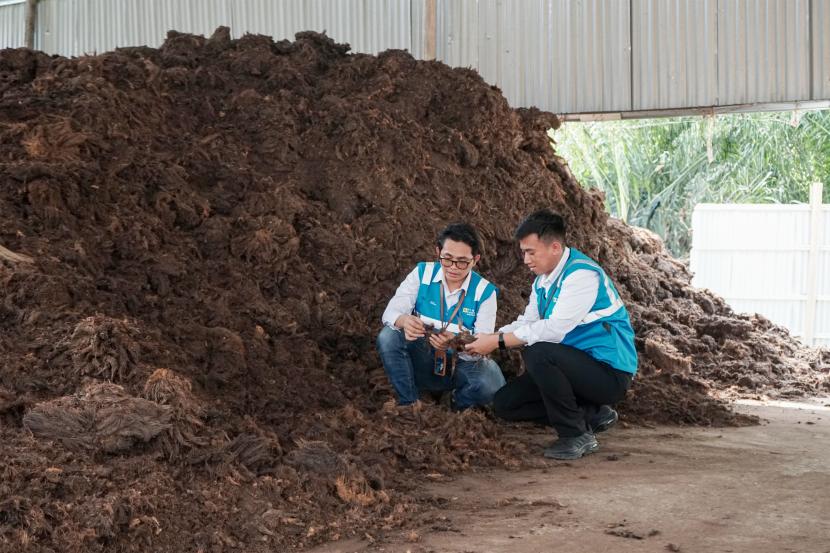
{"points": [[435, 302], [580, 354]]}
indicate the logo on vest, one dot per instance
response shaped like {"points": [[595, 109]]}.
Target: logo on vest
{"points": [[469, 311]]}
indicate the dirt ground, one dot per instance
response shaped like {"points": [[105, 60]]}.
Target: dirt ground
{"points": [[759, 488]]}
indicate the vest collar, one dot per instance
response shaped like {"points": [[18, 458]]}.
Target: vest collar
{"points": [[439, 276], [545, 281]]}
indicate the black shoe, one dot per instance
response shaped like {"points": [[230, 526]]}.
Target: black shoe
{"points": [[572, 447], [605, 418]]}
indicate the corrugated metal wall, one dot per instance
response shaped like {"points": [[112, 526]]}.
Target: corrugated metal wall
{"points": [[820, 22], [763, 50], [77, 27], [588, 56], [527, 51], [591, 55], [675, 53], [370, 26], [12, 24], [565, 56], [756, 257]]}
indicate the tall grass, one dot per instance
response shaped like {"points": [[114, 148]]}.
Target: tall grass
{"points": [[654, 172]]}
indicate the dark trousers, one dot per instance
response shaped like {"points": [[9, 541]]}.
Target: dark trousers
{"points": [[562, 387]]}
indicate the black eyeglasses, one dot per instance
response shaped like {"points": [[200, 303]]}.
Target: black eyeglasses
{"points": [[460, 263]]}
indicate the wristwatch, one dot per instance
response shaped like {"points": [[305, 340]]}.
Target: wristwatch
{"points": [[502, 345]]}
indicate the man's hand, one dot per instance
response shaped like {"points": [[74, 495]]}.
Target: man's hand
{"points": [[484, 344], [440, 341], [413, 327]]}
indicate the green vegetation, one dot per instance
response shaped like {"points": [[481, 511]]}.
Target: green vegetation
{"points": [[654, 171]]}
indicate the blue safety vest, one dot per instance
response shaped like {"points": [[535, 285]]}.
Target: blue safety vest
{"points": [[605, 333], [429, 295]]}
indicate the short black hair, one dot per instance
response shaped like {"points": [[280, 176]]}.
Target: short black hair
{"points": [[460, 232], [549, 226]]}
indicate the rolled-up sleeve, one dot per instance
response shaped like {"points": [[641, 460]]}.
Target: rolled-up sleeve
{"points": [[578, 295], [530, 315]]}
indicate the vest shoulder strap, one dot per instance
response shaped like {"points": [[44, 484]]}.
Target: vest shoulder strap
{"points": [[426, 270], [481, 287]]}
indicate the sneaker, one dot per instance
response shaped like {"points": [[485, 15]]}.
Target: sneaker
{"points": [[605, 418], [567, 448]]}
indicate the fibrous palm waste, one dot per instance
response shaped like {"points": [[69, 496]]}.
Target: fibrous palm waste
{"points": [[204, 236]]}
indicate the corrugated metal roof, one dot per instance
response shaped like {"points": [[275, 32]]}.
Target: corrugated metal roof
{"points": [[12, 25]]}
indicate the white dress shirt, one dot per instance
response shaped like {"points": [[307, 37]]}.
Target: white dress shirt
{"points": [[403, 302], [578, 294]]}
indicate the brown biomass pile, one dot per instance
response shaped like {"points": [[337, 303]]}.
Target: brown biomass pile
{"points": [[197, 243]]}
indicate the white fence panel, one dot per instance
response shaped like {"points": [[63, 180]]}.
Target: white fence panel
{"points": [[768, 259]]}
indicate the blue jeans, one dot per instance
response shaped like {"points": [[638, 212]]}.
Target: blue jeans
{"points": [[409, 366]]}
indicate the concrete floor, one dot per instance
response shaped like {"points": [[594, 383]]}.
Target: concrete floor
{"points": [[760, 489]]}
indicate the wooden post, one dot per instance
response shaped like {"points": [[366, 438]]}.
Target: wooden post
{"points": [[430, 16], [31, 16], [812, 263]]}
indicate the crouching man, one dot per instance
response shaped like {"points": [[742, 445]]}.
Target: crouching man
{"points": [[579, 355], [437, 301]]}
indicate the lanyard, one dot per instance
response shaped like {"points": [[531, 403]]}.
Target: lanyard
{"points": [[440, 368], [454, 312], [547, 304], [553, 291]]}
